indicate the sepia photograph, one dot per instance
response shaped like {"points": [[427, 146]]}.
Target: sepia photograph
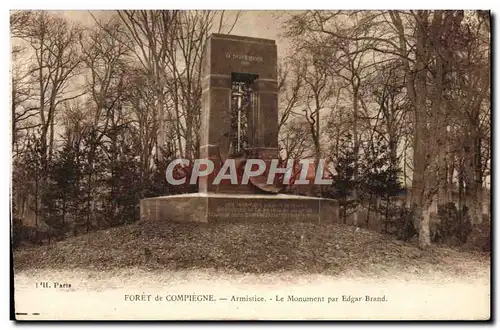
{"points": [[250, 165]]}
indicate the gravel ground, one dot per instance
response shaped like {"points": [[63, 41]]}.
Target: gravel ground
{"points": [[331, 249]]}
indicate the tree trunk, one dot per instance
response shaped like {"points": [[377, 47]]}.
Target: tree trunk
{"points": [[424, 237], [461, 175], [451, 170], [13, 117], [471, 193], [416, 84], [369, 209], [161, 126], [386, 221], [356, 152], [443, 194], [51, 139], [421, 152], [478, 180]]}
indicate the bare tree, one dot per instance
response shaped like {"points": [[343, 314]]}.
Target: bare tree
{"points": [[428, 47], [23, 110], [319, 90], [184, 60], [147, 35], [141, 98], [54, 44], [40, 90], [473, 78], [290, 90], [105, 58], [168, 45]]}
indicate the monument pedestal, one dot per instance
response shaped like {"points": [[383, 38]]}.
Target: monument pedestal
{"points": [[217, 207]]}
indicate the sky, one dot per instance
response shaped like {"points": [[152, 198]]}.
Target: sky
{"points": [[251, 23]]}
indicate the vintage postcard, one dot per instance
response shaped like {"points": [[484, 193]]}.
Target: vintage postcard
{"points": [[251, 165]]}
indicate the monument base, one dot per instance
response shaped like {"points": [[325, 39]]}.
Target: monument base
{"points": [[210, 207]]}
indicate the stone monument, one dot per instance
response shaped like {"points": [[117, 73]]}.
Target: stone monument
{"points": [[239, 120], [240, 102]]}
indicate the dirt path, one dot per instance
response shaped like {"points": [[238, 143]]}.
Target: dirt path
{"points": [[103, 295]]}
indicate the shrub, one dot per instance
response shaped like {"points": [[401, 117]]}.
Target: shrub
{"points": [[452, 226], [405, 226]]}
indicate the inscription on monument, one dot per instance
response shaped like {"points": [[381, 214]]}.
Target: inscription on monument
{"points": [[244, 57], [263, 209]]}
